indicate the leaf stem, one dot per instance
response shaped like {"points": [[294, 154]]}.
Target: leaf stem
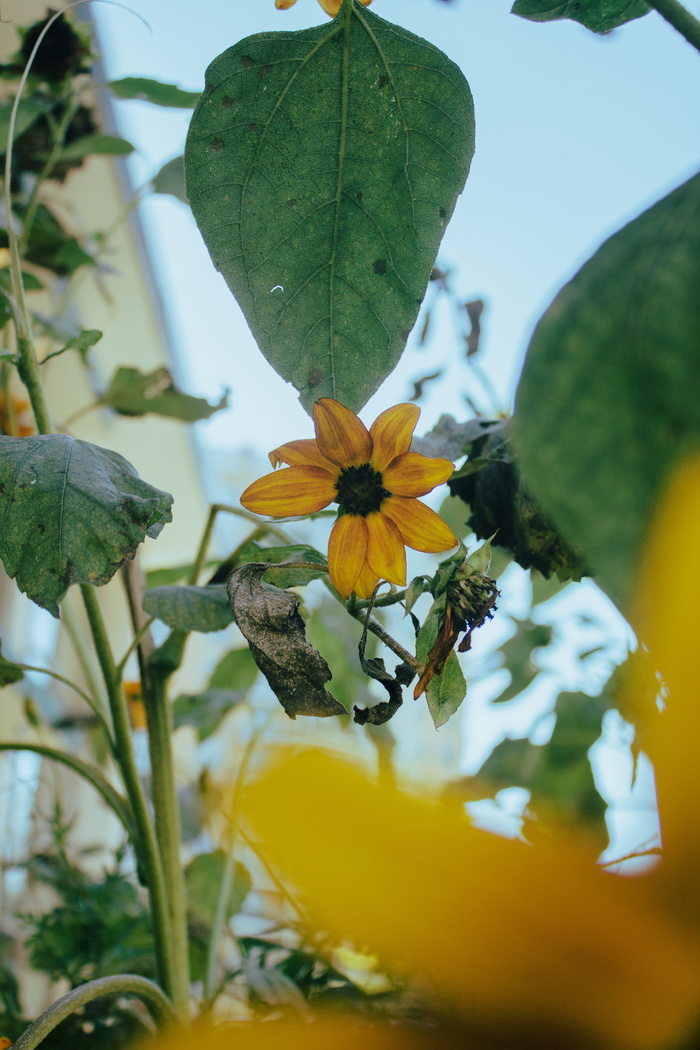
{"points": [[680, 18], [145, 843], [123, 984], [59, 136], [92, 703], [384, 637]]}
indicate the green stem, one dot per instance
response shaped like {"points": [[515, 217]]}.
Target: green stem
{"points": [[123, 984], [135, 643], [145, 844], [220, 915], [680, 18], [84, 656], [89, 700], [168, 832], [384, 637]]}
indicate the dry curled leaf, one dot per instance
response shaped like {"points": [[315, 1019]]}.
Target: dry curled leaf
{"points": [[269, 620]]}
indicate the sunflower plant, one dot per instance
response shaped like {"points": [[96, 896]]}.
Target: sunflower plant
{"points": [[439, 934]]}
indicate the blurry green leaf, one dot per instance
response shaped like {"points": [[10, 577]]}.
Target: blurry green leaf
{"points": [[9, 672], [31, 284], [82, 343], [171, 179], [72, 513], [50, 246], [28, 111], [445, 692], [91, 145], [274, 988], [155, 91], [294, 552], [229, 684], [236, 670], [190, 608], [203, 877], [133, 393], [329, 260], [543, 588], [599, 15], [604, 406], [517, 657]]}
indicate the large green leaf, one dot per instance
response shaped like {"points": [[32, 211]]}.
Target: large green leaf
{"points": [[599, 15], [322, 168], [608, 400], [70, 512]]}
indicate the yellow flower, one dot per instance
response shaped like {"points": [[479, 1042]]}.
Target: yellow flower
{"points": [[331, 7], [374, 478]]}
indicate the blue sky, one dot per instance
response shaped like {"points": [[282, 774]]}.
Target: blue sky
{"points": [[576, 134]]}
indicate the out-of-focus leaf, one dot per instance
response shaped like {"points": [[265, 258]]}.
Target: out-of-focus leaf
{"points": [[50, 246], [270, 622], [9, 672], [190, 608], [157, 92], [330, 288], [517, 657], [82, 344], [605, 408], [72, 513], [28, 111], [598, 15], [171, 179], [203, 876], [92, 145], [133, 393], [229, 684]]}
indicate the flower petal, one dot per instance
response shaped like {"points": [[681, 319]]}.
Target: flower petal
{"points": [[282, 5], [666, 621], [420, 527], [391, 434], [386, 555], [347, 548], [535, 944], [415, 475], [366, 582], [302, 453], [292, 491], [341, 436]]}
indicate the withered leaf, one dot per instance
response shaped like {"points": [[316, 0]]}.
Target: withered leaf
{"points": [[270, 622]]}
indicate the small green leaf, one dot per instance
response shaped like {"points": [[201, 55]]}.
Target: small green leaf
{"points": [[82, 343], [282, 577], [606, 405], [71, 512], [92, 145], [9, 672], [28, 112], [171, 179], [322, 167], [203, 877], [598, 15], [133, 393], [157, 92], [445, 692], [190, 608]]}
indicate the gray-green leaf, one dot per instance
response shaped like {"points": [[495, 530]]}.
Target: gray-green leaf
{"points": [[171, 179], [608, 400], [322, 167], [598, 15], [71, 512], [190, 608], [91, 145], [203, 877]]}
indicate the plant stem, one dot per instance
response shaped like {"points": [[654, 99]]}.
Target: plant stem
{"points": [[84, 656], [220, 915], [145, 844], [89, 700], [126, 984], [383, 636], [59, 136], [680, 18], [168, 833]]}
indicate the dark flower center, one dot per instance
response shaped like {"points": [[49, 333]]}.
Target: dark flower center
{"points": [[360, 490]]}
